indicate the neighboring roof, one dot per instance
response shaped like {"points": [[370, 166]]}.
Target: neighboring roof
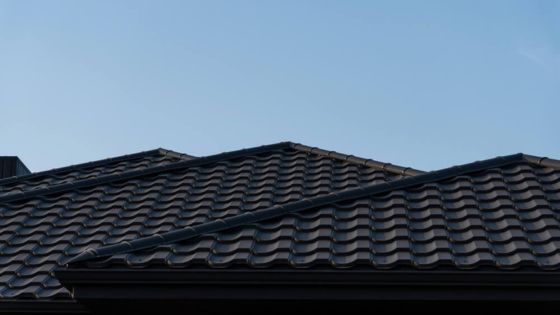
{"points": [[42, 228], [16, 186], [12, 166], [500, 214]]}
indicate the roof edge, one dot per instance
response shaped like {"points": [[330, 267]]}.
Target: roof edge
{"points": [[293, 207], [224, 275], [388, 167]]}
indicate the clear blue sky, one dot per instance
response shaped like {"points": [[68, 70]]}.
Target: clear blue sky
{"points": [[426, 84]]}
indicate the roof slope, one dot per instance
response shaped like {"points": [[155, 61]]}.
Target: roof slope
{"points": [[41, 229], [15, 186], [500, 214]]}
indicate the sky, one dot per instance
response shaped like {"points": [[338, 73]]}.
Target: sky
{"points": [[425, 84]]}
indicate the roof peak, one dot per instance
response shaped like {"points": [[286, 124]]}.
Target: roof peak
{"points": [[190, 232]]}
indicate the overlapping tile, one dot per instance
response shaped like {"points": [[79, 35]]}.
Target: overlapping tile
{"points": [[41, 233], [15, 185], [503, 218]]}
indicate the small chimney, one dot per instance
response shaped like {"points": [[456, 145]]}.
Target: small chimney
{"points": [[12, 166]]}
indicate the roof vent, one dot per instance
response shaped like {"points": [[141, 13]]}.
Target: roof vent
{"points": [[12, 166]]}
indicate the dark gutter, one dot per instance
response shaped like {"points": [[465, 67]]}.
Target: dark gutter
{"points": [[169, 284]]}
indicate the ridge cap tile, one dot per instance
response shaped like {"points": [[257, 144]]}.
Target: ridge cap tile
{"points": [[397, 169]]}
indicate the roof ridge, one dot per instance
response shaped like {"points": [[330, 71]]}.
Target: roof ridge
{"points": [[542, 161], [388, 167], [175, 154], [72, 167], [146, 171], [296, 206]]}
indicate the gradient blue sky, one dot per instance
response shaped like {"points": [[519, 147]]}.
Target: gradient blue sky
{"points": [[426, 84]]}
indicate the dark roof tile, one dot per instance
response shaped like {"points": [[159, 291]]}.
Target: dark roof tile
{"points": [[494, 214], [44, 228], [65, 175]]}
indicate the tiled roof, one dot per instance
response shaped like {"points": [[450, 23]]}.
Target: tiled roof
{"points": [[110, 203], [500, 214], [14, 186]]}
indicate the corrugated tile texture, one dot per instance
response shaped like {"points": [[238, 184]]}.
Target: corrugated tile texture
{"points": [[42, 233], [502, 218], [87, 171]]}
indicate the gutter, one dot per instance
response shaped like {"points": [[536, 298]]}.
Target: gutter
{"points": [[318, 285]]}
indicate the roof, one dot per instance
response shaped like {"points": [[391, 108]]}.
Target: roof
{"points": [[500, 214], [48, 218], [16, 186]]}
